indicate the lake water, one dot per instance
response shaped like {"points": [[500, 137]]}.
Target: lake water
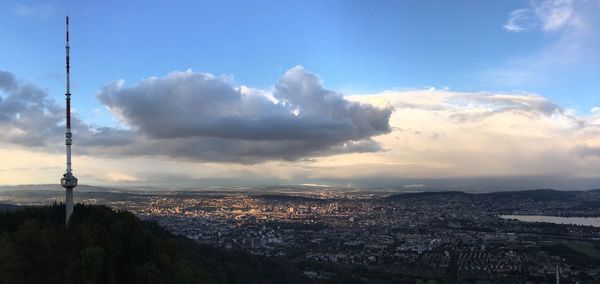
{"points": [[555, 220]]}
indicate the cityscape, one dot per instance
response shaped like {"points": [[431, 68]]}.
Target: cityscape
{"points": [[444, 236]]}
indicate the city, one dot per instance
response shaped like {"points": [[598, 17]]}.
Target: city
{"points": [[448, 237]]}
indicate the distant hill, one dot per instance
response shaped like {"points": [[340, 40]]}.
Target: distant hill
{"points": [[535, 195], [104, 246], [9, 207], [427, 194], [50, 187]]}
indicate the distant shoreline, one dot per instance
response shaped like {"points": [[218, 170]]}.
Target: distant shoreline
{"points": [[583, 221]]}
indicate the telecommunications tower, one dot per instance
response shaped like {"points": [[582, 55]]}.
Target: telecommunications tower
{"points": [[69, 181]]}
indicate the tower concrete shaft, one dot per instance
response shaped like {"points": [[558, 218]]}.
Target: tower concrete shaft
{"points": [[68, 181]]}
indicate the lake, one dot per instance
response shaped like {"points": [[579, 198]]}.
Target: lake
{"points": [[594, 221]]}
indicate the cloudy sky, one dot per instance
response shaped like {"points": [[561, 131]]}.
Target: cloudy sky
{"points": [[480, 94]]}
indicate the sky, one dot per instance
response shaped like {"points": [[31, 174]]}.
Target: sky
{"points": [[451, 94]]}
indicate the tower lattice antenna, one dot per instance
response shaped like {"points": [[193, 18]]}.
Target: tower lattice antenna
{"points": [[68, 181]]}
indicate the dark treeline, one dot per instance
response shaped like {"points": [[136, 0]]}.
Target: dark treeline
{"points": [[105, 246]]}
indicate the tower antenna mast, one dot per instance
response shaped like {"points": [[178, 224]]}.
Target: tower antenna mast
{"points": [[68, 181]]}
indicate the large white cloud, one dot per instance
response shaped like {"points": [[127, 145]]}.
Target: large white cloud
{"points": [[189, 104], [202, 117], [438, 133]]}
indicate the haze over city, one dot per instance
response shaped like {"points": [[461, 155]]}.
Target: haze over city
{"points": [[502, 95]]}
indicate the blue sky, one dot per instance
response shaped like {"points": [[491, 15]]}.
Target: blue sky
{"points": [[354, 46], [430, 89]]}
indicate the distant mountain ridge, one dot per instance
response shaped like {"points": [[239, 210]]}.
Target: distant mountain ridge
{"points": [[426, 194], [534, 194], [9, 207], [52, 187], [47, 194]]}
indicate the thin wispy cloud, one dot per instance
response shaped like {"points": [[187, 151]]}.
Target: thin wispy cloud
{"points": [[574, 28], [39, 10], [551, 16], [555, 14], [520, 20]]}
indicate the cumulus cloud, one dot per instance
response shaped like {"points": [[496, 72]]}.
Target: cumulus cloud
{"points": [[30, 118], [445, 134], [27, 115], [199, 116]]}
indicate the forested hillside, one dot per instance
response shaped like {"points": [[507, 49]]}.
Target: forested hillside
{"points": [[104, 246]]}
